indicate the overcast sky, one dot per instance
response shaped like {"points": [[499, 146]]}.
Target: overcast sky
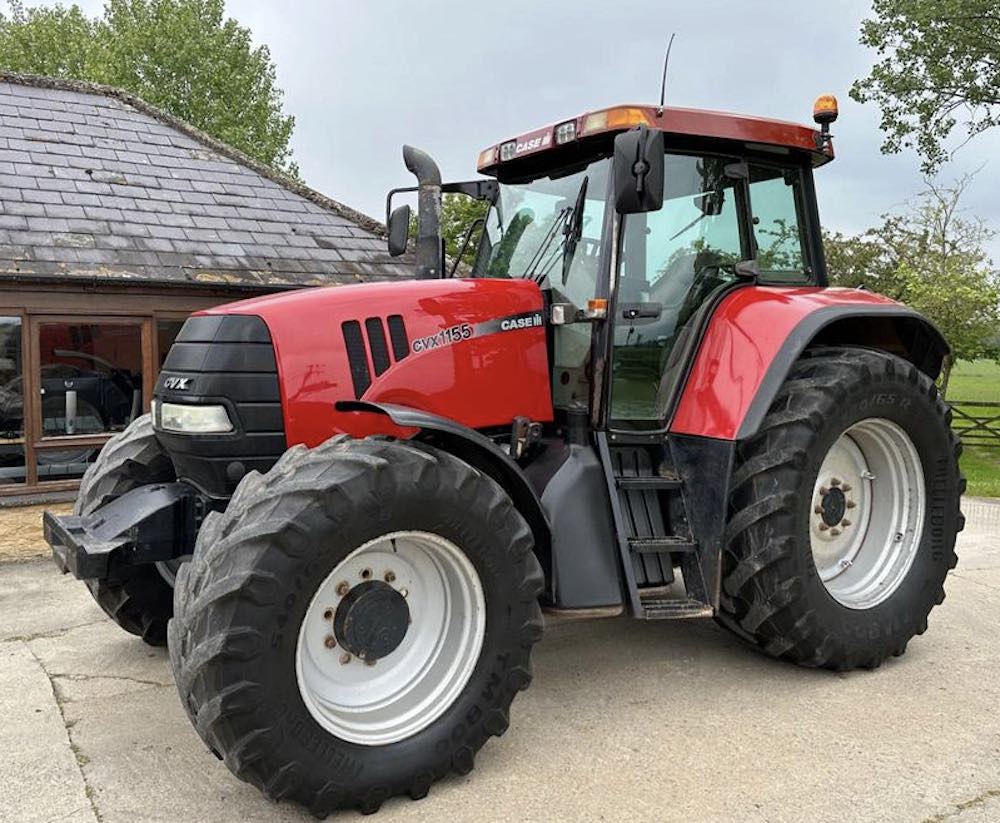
{"points": [[454, 76]]}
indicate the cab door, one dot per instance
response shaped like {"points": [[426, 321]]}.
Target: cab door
{"points": [[717, 211]]}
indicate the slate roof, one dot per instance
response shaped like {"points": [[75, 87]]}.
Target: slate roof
{"points": [[95, 184]]}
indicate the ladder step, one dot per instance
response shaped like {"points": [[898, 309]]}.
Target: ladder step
{"points": [[674, 609], [651, 482], [643, 545]]}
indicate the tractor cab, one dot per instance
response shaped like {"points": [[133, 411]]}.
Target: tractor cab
{"points": [[643, 216]]}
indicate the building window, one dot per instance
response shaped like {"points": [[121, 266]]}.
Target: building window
{"points": [[90, 377], [166, 331], [12, 462]]}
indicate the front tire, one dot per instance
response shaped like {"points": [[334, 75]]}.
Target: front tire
{"points": [[844, 513], [137, 598], [296, 645]]}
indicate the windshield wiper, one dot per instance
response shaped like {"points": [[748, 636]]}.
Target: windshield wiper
{"points": [[574, 229], [543, 247]]}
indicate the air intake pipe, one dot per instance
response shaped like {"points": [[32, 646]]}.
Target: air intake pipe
{"points": [[430, 256]]}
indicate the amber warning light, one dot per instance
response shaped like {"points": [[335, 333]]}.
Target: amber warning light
{"points": [[825, 111]]}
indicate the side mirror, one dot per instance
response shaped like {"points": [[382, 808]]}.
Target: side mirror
{"points": [[638, 170], [399, 230]]}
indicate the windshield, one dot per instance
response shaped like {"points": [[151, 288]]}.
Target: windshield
{"points": [[549, 230]]}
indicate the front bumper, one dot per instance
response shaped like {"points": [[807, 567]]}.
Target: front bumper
{"points": [[146, 525]]}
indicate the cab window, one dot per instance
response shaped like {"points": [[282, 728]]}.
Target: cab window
{"points": [[776, 200]]}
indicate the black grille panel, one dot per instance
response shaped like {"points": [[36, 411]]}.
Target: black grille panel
{"points": [[227, 359], [397, 333], [357, 357], [376, 341]]}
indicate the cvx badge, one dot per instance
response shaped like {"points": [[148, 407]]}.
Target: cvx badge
{"points": [[177, 383]]}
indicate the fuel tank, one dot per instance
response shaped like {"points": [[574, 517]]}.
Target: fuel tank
{"points": [[473, 351]]}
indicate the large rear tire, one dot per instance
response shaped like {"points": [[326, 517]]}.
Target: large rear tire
{"points": [[357, 622], [137, 598], [844, 513]]}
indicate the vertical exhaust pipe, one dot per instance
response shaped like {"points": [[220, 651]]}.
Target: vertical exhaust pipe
{"points": [[430, 262]]}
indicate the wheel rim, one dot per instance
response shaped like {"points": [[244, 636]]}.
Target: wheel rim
{"points": [[867, 513], [168, 570], [421, 611]]}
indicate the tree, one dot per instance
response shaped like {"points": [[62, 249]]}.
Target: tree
{"points": [[940, 64], [458, 213], [182, 56], [931, 257]]}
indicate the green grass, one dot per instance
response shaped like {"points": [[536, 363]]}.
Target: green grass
{"points": [[978, 380], [975, 380]]}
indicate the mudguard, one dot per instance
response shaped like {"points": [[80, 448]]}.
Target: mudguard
{"points": [[758, 332], [475, 449]]}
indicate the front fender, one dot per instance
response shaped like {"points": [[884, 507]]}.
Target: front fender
{"points": [[758, 332], [475, 449]]}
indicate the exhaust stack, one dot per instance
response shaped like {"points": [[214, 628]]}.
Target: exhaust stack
{"points": [[430, 258]]}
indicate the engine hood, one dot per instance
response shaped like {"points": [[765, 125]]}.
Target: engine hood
{"points": [[470, 350]]}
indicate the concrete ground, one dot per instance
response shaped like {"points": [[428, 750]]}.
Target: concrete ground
{"points": [[625, 721]]}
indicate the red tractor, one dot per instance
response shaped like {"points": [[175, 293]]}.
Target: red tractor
{"points": [[350, 507]]}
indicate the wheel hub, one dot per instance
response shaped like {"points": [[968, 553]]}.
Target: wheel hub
{"points": [[371, 621], [833, 506]]}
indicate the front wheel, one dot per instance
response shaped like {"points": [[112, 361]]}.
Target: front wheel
{"points": [[357, 622], [844, 513]]}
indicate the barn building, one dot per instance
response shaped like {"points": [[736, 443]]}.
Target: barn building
{"points": [[116, 221]]}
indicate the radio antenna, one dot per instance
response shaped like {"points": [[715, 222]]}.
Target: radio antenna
{"points": [[663, 82]]}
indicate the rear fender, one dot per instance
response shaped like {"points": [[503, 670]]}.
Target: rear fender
{"points": [[475, 449], [756, 335]]}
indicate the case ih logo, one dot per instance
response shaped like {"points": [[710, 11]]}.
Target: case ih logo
{"points": [[177, 383], [532, 144]]}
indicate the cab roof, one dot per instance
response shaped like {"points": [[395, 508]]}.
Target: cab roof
{"points": [[673, 120]]}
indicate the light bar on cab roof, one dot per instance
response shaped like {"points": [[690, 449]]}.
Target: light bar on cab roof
{"points": [[568, 131]]}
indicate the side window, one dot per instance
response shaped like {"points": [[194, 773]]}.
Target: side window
{"points": [[778, 224]]}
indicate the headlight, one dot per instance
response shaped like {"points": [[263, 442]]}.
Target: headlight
{"points": [[178, 417]]}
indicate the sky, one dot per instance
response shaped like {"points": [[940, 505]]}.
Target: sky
{"points": [[454, 76]]}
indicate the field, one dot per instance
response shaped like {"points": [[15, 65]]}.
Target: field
{"points": [[978, 380]]}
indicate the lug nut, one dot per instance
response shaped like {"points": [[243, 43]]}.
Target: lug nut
{"points": [[369, 662], [845, 522], [824, 491], [834, 532], [818, 510], [834, 481], [330, 641], [345, 659], [328, 614], [823, 527], [343, 587], [851, 504], [366, 573], [846, 487], [390, 576]]}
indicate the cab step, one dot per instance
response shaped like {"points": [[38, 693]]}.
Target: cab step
{"points": [[671, 481], [674, 608], [667, 543]]}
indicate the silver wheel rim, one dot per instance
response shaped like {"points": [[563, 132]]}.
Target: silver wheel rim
{"points": [[405, 691], [168, 570], [867, 513]]}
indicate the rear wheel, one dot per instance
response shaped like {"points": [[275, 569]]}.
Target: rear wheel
{"points": [[137, 598], [357, 623], [844, 513]]}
